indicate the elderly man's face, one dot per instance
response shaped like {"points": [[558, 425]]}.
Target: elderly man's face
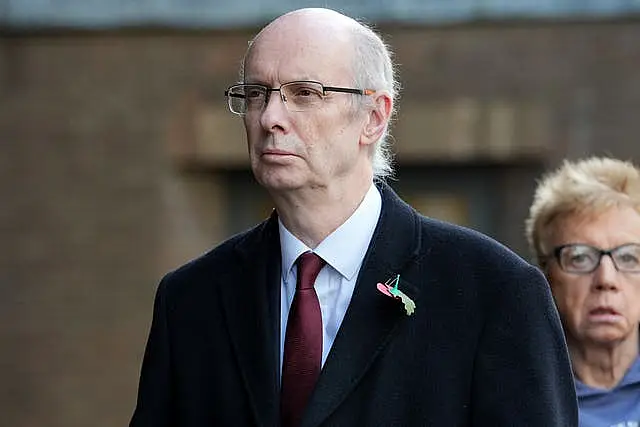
{"points": [[601, 308], [290, 150]]}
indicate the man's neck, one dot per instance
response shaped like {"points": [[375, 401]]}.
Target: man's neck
{"points": [[311, 214]]}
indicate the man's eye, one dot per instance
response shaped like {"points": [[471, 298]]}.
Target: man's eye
{"points": [[306, 92], [254, 93]]}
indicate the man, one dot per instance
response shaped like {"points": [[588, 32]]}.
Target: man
{"points": [[410, 322]]}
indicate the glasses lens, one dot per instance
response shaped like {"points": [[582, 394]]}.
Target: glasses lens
{"points": [[302, 96], [244, 98], [627, 257], [579, 258]]}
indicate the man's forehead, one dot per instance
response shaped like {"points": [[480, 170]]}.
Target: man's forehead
{"points": [[298, 59], [291, 44]]}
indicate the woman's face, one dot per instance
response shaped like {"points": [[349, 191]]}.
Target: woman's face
{"points": [[601, 308]]}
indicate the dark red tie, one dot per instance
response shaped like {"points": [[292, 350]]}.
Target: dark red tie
{"points": [[302, 357]]}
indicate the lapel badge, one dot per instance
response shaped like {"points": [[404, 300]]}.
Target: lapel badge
{"points": [[390, 289]]}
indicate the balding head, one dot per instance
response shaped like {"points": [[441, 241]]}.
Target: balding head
{"points": [[318, 21], [321, 31], [352, 49]]}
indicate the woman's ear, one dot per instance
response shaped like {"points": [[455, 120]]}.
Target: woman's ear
{"points": [[377, 118]]}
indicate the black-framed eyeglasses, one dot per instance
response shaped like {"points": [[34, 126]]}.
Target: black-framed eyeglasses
{"points": [[578, 258], [303, 95]]}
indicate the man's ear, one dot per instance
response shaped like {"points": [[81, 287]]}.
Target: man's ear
{"points": [[377, 118]]}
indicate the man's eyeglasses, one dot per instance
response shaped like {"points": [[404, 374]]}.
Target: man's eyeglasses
{"points": [[584, 259], [297, 96]]}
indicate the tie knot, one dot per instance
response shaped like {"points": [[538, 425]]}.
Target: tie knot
{"points": [[309, 265]]}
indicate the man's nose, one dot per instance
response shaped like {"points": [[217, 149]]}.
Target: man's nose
{"points": [[274, 93], [274, 114]]}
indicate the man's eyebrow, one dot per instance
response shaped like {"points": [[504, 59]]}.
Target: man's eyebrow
{"points": [[253, 82], [305, 78]]}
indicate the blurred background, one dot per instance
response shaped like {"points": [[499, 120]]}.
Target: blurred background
{"points": [[119, 160]]}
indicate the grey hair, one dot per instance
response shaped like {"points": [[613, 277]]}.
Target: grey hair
{"points": [[374, 69]]}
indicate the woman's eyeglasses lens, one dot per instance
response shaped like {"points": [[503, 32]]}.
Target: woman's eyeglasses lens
{"points": [[584, 259]]}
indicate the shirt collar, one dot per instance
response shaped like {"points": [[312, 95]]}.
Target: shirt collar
{"points": [[345, 248]]}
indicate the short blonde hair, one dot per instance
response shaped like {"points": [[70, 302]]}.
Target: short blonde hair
{"points": [[584, 187]]}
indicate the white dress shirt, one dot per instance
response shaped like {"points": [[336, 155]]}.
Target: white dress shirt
{"points": [[343, 250]]}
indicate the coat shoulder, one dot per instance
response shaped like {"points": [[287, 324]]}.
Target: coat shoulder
{"points": [[217, 263], [470, 247]]}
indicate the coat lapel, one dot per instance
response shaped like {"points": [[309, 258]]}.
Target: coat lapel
{"points": [[371, 317], [252, 309]]}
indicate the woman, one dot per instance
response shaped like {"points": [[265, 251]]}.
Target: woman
{"points": [[584, 228]]}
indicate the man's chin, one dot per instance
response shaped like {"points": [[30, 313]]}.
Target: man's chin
{"points": [[278, 183]]}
